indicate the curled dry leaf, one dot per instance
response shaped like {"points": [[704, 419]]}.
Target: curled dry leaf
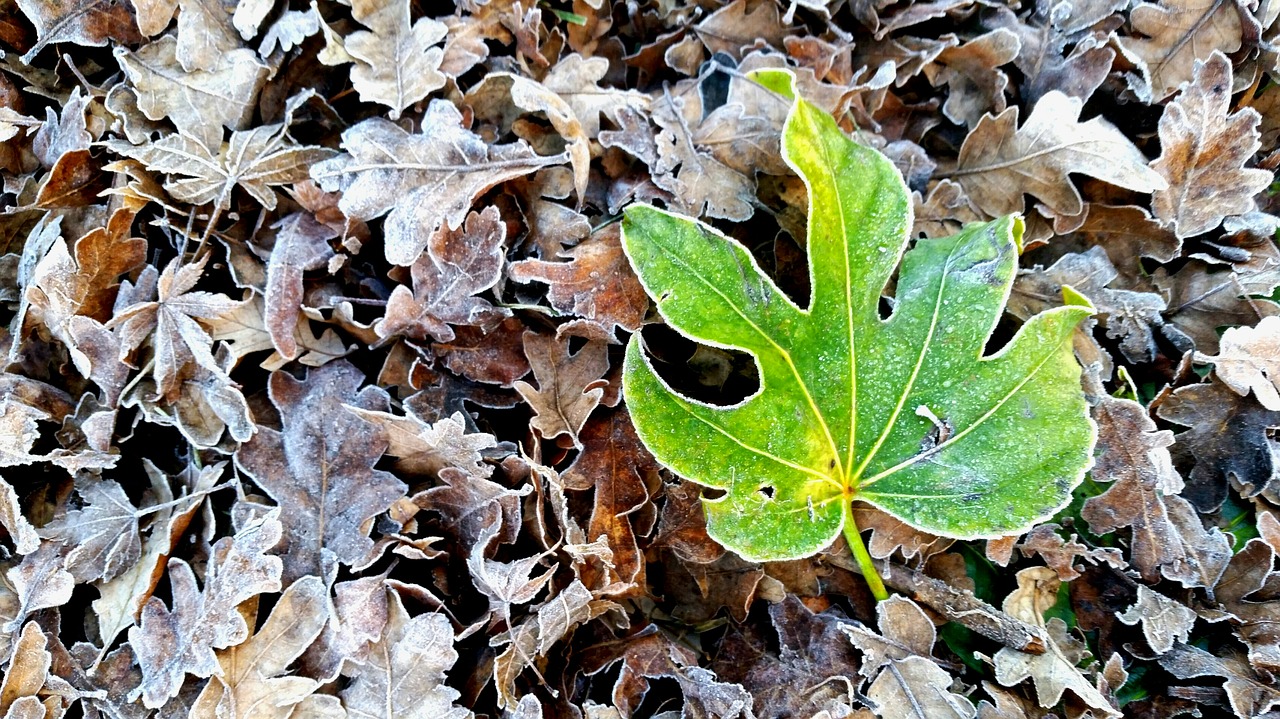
{"points": [[908, 683], [1248, 360], [1055, 671], [1203, 149], [425, 181], [302, 244], [319, 469]]}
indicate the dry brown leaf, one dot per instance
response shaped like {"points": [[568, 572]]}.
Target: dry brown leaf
{"points": [[102, 537], [171, 643], [425, 181], [1250, 695], [302, 244], [906, 682], [199, 103], [739, 24], [698, 181], [358, 617], [395, 63], [170, 322], [975, 85], [1178, 34], [1163, 620], [1133, 455], [403, 676], [423, 448], [1243, 593], [457, 266], [1061, 554], [1203, 149], [999, 162], [1041, 57], [23, 536], [889, 535], [249, 684], [496, 357], [578, 286], [1248, 360], [83, 22], [1201, 301], [569, 385], [26, 676], [617, 466], [506, 584], [243, 330], [205, 34], [1055, 671], [1227, 442], [319, 469]]}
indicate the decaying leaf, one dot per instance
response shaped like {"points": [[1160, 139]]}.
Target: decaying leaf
{"points": [[1248, 360], [396, 64], [569, 385], [1203, 149], [1164, 620], [319, 469], [425, 181], [999, 161], [1178, 33]]}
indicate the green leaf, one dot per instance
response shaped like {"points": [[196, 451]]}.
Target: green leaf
{"points": [[904, 413]]}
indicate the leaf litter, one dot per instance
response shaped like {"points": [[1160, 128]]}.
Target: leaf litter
{"points": [[314, 319]]}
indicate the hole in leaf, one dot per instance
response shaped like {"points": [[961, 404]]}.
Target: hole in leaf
{"points": [[767, 491], [708, 374]]}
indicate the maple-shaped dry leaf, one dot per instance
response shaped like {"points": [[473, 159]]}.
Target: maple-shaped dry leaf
{"points": [[250, 684], [243, 329], [617, 466], [319, 469], [1178, 34], [200, 103], [425, 181], [103, 536], [171, 643], [458, 265], [395, 63], [999, 162], [254, 160], [908, 683], [1203, 149], [83, 22], [423, 448], [403, 676], [1054, 671], [506, 584], [597, 283], [1163, 620], [1250, 695], [171, 323], [1248, 360], [569, 385]]}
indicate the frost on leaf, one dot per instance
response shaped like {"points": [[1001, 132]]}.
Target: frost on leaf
{"points": [[903, 413], [425, 181]]}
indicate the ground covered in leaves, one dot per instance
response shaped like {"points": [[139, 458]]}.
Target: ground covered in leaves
{"points": [[312, 318]]}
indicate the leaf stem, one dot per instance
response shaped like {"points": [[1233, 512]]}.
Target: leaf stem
{"points": [[862, 556]]}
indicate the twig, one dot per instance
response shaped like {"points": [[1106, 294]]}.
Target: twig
{"points": [[956, 605]]}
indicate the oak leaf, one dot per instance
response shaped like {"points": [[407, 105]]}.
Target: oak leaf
{"points": [[250, 682], [1055, 671], [1177, 35], [395, 63], [569, 385], [83, 22], [1164, 620], [906, 681], [425, 181], [999, 162], [1249, 694], [1203, 149], [457, 266], [319, 468], [579, 287], [171, 643], [1248, 360], [424, 448], [404, 673], [243, 330]]}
